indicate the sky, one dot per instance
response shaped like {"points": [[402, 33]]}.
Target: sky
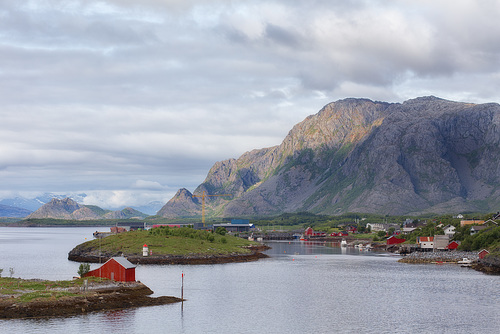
{"points": [[128, 101]]}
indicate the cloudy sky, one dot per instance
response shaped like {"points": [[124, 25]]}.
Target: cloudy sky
{"points": [[129, 101]]}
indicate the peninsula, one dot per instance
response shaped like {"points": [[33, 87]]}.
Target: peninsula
{"points": [[35, 298], [169, 246]]}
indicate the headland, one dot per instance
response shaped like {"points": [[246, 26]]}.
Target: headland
{"points": [[39, 298]]}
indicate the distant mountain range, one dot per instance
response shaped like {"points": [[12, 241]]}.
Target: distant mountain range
{"points": [[69, 209], [426, 155], [21, 207]]}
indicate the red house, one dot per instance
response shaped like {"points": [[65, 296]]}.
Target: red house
{"points": [[392, 240], [483, 253], [116, 269], [309, 231], [453, 245], [351, 229]]}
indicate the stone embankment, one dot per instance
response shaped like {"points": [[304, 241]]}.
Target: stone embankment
{"points": [[433, 257], [98, 297]]}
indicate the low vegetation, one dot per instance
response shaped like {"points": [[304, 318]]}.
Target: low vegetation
{"points": [[24, 291], [166, 240]]}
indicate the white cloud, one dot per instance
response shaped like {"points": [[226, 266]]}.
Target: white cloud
{"points": [[122, 96]]}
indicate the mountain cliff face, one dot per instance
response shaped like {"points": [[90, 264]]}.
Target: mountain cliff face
{"points": [[356, 155], [69, 209]]}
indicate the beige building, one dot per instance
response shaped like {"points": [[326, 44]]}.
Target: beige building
{"points": [[471, 222]]}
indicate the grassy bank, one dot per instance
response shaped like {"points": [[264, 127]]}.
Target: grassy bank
{"points": [[167, 241], [23, 291]]}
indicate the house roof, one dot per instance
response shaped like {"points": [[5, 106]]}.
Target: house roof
{"points": [[123, 262], [425, 239]]}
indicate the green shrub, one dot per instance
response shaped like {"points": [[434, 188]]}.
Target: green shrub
{"points": [[83, 269]]}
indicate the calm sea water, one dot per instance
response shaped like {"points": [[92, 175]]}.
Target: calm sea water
{"points": [[302, 288]]}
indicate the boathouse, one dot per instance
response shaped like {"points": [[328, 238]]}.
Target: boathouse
{"points": [[453, 245], [116, 269], [392, 240], [483, 253]]}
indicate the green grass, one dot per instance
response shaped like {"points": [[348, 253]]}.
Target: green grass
{"points": [[188, 242], [28, 290]]}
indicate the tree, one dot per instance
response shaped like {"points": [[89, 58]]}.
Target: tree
{"points": [[83, 269], [221, 230]]}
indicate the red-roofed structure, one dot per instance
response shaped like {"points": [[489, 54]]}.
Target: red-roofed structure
{"points": [[483, 253], [116, 269], [392, 240]]}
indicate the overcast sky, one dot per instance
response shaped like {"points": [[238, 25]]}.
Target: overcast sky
{"points": [[128, 101]]}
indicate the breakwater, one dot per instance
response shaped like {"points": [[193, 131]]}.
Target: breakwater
{"points": [[445, 257]]}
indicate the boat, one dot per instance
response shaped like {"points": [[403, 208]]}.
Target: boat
{"points": [[465, 262]]}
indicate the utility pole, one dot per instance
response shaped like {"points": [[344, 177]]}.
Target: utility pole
{"points": [[203, 195]]}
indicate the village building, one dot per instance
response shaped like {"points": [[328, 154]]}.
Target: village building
{"points": [[441, 242], [449, 230], [425, 243], [483, 253], [393, 240], [236, 225], [476, 228], [471, 222], [115, 269], [453, 245]]}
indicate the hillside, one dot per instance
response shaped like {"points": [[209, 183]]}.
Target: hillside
{"points": [[356, 155], [12, 211], [69, 209]]}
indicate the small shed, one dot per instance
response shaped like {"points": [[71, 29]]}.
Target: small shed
{"points": [[392, 240], [453, 245], [483, 253], [116, 269], [309, 231]]}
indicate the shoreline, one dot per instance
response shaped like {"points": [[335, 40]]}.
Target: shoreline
{"points": [[488, 265], [255, 255], [100, 296]]}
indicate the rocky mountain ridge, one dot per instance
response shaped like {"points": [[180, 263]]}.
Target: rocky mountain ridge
{"points": [[356, 155], [67, 208]]}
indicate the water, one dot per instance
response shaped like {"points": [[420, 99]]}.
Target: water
{"points": [[302, 288]]}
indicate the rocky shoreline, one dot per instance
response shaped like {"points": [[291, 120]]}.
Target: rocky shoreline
{"points": [[98, 297], [444, 257], [90, 257], [489, 265]]}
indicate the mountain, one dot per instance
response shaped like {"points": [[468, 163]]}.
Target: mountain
{"points": [[33, 204], [69, 209], [356, 155], [13, 212]]}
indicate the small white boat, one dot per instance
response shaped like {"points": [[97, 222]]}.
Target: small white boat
{"points": [[465, 262]]}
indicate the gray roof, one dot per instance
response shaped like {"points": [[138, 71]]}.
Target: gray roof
{"points": [[124, 262]]}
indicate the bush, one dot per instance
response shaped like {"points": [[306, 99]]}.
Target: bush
{"points": [[221, 230], [83, 269]]}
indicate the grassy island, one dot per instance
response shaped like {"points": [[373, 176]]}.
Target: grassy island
{"points": [[169, 246], [20, 298]]}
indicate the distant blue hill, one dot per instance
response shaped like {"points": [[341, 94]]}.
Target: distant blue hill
{"points": [[13, 212]]}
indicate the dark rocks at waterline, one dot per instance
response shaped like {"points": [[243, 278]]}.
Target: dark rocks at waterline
{"points": [[489, 265], [114, 297]]}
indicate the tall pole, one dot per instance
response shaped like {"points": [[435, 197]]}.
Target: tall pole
{"points": [[203, 204]]}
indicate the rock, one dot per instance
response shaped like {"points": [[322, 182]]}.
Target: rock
{"points": [[355, 155]]}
